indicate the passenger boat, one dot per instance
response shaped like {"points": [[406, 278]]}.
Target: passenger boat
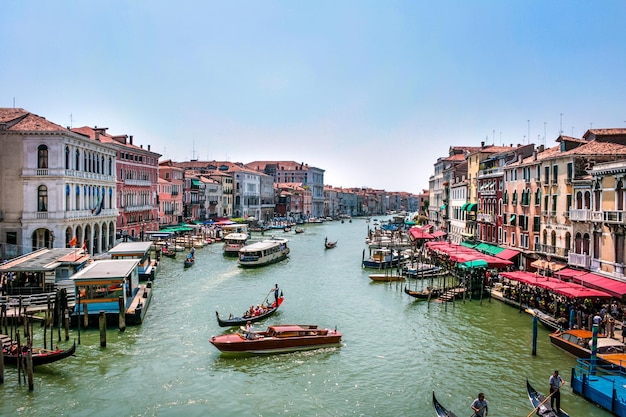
{"points": [[278, 339], [233, 242], [426, 294], [40, 356], [263, 253], [243, 319], [382, 258], [329, 245], [440, 410], [541, 404]]}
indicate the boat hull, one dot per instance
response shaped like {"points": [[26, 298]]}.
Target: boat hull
{"points": [[543, 407], [440, 410], [42, 358]]}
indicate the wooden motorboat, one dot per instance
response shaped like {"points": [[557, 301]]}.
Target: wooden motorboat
{"points": [[577, 342], [40, 356], [386, 277], [277, 339], [440, 410], [242, 320], [329, 245], [425, 294], [541, 405], [189, 262]]}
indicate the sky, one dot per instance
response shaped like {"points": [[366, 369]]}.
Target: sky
{"points": [[372, 92]]}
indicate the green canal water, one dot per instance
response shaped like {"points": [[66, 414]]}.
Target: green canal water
{"points": [[395, 350]]}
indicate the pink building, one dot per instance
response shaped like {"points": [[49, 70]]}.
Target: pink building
{"points": [[137, 173]]}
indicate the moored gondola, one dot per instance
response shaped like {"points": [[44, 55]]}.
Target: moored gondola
{"points": [[541, 403], [424, 294], [40, 356], [440, 410], [169, 253], [241, 321]]}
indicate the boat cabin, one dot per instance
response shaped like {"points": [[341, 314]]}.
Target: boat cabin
{"points": [[137, 250], [295, 331]]}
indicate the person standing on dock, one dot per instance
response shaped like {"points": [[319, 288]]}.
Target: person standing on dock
{"points": [[479, 406], [555, 391]]}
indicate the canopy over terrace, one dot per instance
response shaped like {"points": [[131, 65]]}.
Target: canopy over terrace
{"points": [[462, 254], [608, 285], [566, 289], [416, 233]]}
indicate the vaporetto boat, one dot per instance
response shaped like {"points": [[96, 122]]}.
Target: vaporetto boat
{"points": [[263, 253]]}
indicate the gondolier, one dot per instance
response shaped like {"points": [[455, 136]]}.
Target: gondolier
{"points": [[479, 406], [276, 294], [555, 391]]}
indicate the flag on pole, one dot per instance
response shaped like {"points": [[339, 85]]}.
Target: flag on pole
{"points": [[73, 242]]}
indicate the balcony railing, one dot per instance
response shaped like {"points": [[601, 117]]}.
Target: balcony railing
{"points": [[580, 215], [485, 218], [42, 171], [143, 183], [146, 207], [613, 216], [579, 259]]}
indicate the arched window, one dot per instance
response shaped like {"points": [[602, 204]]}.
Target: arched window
{"points": [[619, 196], [42, 198], [67, 157], [77, 160], [42, 157], [110, 166]]}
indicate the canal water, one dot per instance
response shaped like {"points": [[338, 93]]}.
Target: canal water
{"points": [[395, 351]]}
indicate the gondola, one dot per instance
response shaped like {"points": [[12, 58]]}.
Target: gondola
{"points": [[423, 295], [189, 262], [241, 321], [168, 253], [330, 245], [440, 410], [40, 356], [541, 405]]}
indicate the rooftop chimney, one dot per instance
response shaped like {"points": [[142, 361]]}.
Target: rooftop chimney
{"points": [[131, 139]]}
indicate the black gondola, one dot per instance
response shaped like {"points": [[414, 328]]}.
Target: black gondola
{"points": [[329, 245], [241, 321], [541, 405], [189, 262], [169, 253], [40, 356], [423, 295], [440, 410]]}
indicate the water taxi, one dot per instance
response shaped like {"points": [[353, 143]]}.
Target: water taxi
{"points": [[263, 253]]}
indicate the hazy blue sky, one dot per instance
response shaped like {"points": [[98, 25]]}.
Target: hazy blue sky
{"points": [[371, 91]]}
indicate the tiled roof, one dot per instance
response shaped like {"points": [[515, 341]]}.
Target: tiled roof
{"points": [[20, 120], [598, 148]]}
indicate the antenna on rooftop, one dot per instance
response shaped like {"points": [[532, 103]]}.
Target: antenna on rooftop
{"points": [[561, 125]]}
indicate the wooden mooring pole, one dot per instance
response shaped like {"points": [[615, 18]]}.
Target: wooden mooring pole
{"points": [[122, 318], [103, 329]]}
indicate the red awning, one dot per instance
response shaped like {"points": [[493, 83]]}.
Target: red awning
{"points": [[507, 254], [525, 277], [418, 233], [609, 285], [439, 233], [569, 273], [579, 291]]}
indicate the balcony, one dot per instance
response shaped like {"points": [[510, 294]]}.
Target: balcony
{"points": [[485, 218], [142, 183], [580, 215], [42, 171], [613, 216], [129, 209], [579, 259]]}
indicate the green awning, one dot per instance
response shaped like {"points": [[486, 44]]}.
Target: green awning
{"points": [[489, 249], [196, 182], [468, 244], [512, 219], [472, 207], [477, 263], [464, 206], [444, 207]]}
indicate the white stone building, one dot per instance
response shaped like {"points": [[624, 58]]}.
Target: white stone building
{"points": [[57, 187]]}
